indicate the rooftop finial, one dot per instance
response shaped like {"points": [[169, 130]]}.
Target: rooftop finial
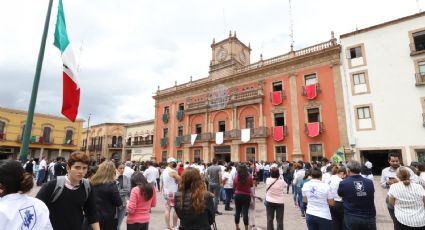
{"points": [[230, 33], [158, 87], [261, 57], [234, 34], [213, 41], [332, 34], [191, 78], [292, 47], [175, 83]]}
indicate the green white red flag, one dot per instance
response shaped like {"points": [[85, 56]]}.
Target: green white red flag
{"points": [[71, 90]]}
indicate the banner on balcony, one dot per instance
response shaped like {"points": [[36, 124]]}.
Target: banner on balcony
{"points": [[310, 91], [193, 138], [219, 138], [277, 97], [278, 133], [245, 135], [313, 129]]}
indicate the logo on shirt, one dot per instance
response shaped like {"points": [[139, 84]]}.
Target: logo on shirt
{"points": [[28, 216], [358, 185], [314, 191]]}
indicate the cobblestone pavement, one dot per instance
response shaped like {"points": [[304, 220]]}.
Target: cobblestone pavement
{"points": [[292, 216]]}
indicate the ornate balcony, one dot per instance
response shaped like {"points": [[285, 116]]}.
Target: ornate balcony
{"points": [[304, 93], [186, 139], [115, 146], [68, 142], [98, 147], [420, 79], [148, 142], [91, 147], [83, 148], [260, 132]]}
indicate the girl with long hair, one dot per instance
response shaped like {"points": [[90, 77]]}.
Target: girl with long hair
{"points": [[17, 210], [107, 195], [142, 199], [193, 203], [242, 184]]}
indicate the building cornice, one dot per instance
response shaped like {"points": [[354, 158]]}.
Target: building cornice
{"points": [[23, 112]]}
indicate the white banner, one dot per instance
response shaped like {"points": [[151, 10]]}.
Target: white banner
{"points": [[219, 138], [246, 135], [193, 138]]}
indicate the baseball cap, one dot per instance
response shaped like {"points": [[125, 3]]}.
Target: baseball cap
{"points": [[171, 159]]}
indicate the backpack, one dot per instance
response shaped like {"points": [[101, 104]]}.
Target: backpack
{"points": [[60, 183]]}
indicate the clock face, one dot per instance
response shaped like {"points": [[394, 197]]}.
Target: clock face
{"points": [[221, 54], [242, 57]]}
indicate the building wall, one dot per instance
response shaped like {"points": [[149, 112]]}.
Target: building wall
{"points": [[15, 121], [143, 149], [396, 101]]}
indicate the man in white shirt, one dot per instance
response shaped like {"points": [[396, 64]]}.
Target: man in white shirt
{"points": [[128, 171], [42, 172], [151, 173], [52, 170]]}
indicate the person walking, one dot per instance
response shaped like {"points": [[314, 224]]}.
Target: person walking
{"points": [[18, 210], [214, 182], [124, 188], [142, 199], [194, 205], [337, 211], [275, 188], [169, 187], [318, 197], [242, 183], [408, 200], [107, 195], [228, 187], [358, 195]]}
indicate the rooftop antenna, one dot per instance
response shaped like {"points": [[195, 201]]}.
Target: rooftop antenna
{"points": [[291, 26], [419, 6]]}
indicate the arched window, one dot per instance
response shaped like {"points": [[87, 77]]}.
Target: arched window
{"points": [[2, 126], [114, 141], [119, 140], [68, 136], [46, 134]]}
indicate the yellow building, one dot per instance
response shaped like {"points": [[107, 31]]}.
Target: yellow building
{"points": [[51, 136]]}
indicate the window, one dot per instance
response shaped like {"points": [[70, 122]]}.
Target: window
{"points": [[181, 106], [421, 67], [179, 155], [119, 140], [359, 79], [363, 113], [197, 155], [166, 110], [313, 115], [180, 131], [68, 136], [249, 122], [2, 126], [46, 134], [420, 154], [356, 52], [221, 126], [419, 40], [198, 128], [164, 156], [250, 154], [114, 141], [316, 152], [310, 79], [277, 86], [280, 153], [165, 133], [279, 119]]}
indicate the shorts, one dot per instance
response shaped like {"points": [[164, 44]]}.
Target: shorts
{"points": [[169, 200]]}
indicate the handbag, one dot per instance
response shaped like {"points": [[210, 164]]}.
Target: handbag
{"points": [[266, 203]]}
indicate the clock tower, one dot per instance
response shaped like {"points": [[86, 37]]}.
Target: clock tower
{"points": [[228, 55]]}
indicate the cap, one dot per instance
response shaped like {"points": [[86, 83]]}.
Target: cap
{"points": [[171, 159], [368, 164]]}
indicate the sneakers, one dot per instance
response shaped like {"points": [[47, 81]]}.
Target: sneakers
{"points": [[228, 209], [218, 213]]}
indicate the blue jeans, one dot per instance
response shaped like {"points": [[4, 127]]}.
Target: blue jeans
{"points": [[294, 194], [318, 223], [40, 178], [359, 223], [215, 189], [266, 175], [300, 200], [120, 214], [229, 194]]}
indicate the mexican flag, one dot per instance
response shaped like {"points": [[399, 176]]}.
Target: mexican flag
{"points": [[71, 90]]}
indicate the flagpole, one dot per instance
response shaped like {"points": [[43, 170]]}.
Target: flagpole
{"points": [[28, 125]]}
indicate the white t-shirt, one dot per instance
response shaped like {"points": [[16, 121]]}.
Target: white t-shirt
{"points": [[151, 174], [43, 164], [128, 172], [52, 167], [326, 178], [19, 211], [409, 206], [317, 194], [334, 181], [229, 181]]}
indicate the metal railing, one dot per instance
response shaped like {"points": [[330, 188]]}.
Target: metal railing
{"points": [[91, 147], [321, 128], [420, 78], [83, 148], [232, 134], [259, 132], [304, 93], [149, 142], [115, 146]]}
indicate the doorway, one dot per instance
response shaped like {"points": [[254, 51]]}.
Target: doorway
{"points": [[222, 153], [378, 158]]}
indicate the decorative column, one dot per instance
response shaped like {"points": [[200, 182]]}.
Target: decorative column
{"points": [[234, 151], [205, 152], [235, 119], [296, 152], [339, 97], [262, 150], [171, 131], [60, 153], [186, 154], [261, 120]]}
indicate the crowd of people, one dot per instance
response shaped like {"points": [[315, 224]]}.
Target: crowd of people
{"points": [[78, 194]]}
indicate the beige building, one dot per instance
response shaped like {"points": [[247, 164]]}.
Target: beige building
{"points": [[139, 140], [104, 140], [51, 136]]}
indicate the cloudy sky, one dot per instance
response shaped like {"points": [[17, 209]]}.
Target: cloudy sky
{"points": [[126, 48]]}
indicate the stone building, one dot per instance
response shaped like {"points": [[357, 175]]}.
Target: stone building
{"points": [[139, 140]]}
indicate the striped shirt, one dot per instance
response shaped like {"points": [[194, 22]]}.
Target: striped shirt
{"points": [[409, 205]]}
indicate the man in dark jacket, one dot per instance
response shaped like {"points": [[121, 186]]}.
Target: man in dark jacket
{"points": [[60, 167]]}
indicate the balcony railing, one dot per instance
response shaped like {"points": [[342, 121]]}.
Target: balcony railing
{"points": [[164, 142], [149, 142], [186, 139], [304, 93], [83, 148], [259, 132], [115, 146], [91, 147], [2, 136], [321, 128], [68, 142], [179, 115], [37, 140], [285, 130], [98, 147], [420, 78], [232, 134]]}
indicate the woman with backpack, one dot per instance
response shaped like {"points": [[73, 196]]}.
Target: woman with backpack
{"points": [[107, 195]]}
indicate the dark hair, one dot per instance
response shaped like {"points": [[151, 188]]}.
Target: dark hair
{"points": [[91, 171], [146, 189], [78, 157], [403, 175], [365, 170], [214, 161], [421, 167], [316, 173], [13, 178], [228, 168], [393, 154], [242, 174], [274, 172]]}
